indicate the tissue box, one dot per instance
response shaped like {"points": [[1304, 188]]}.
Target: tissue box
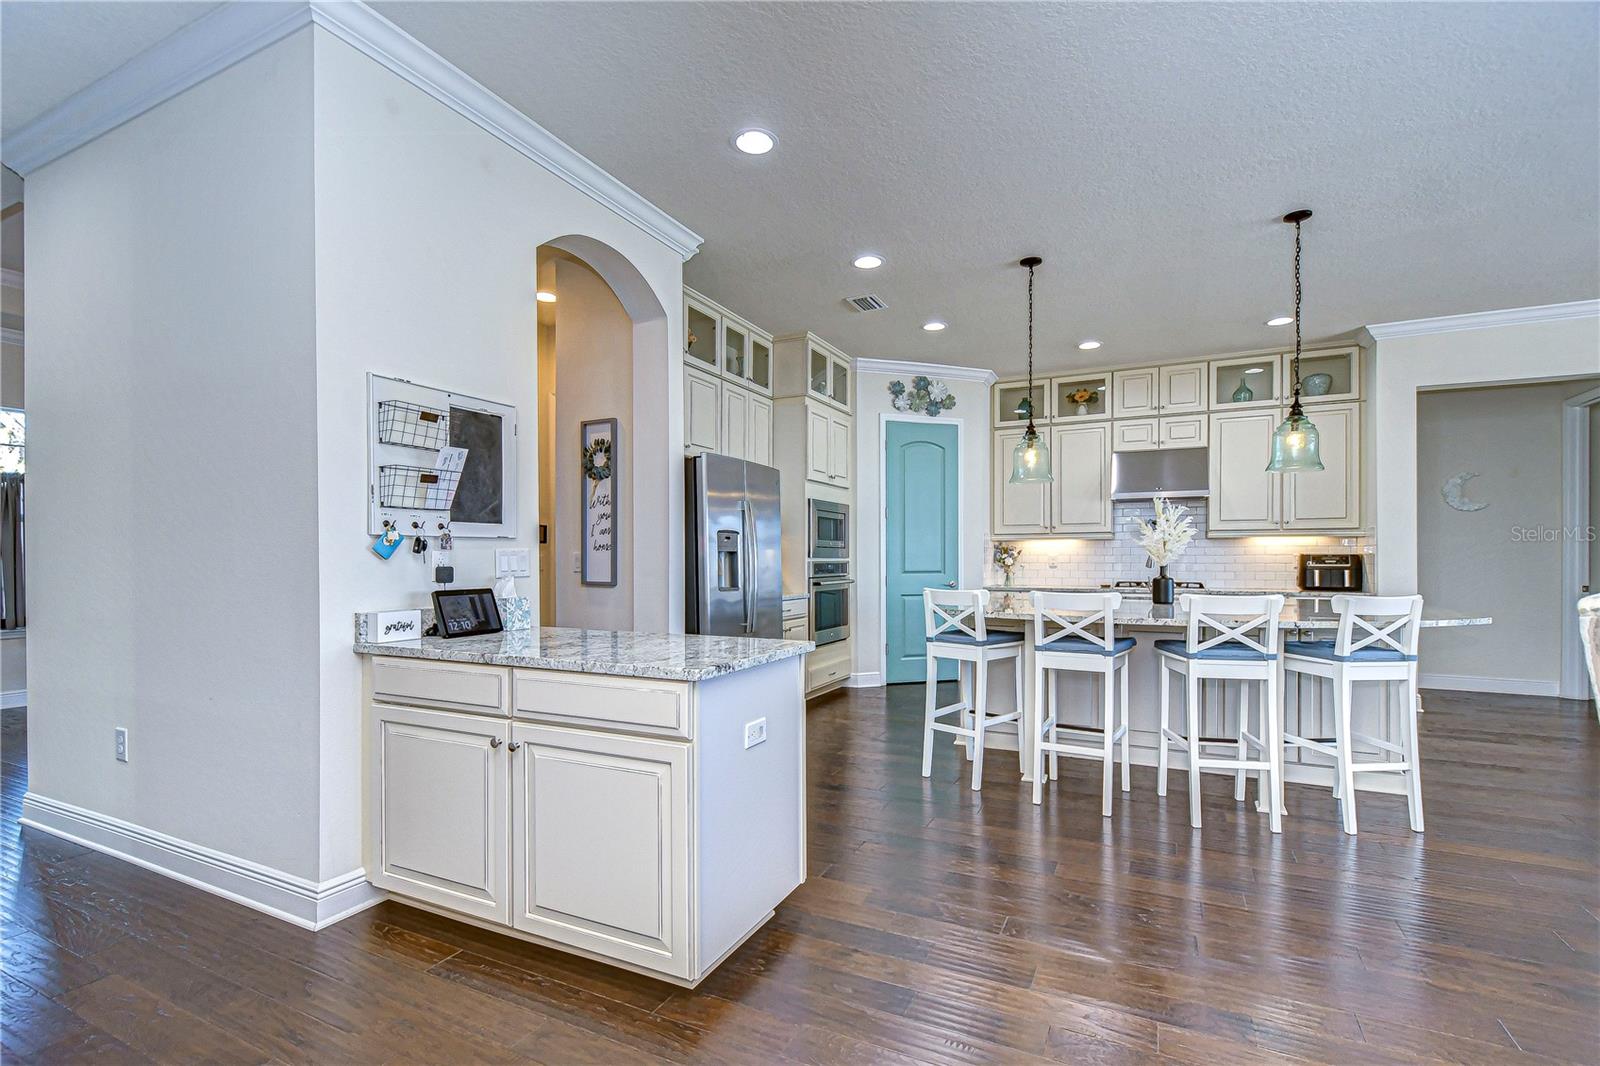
{"points": [[516, 612]]}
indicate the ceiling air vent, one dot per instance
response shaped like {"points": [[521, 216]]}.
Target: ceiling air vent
{"points": [[868, 302]]}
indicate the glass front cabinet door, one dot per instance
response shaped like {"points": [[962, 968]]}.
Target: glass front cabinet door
{"points": [[1326, 376], [700, 334], [760, 374], [1012, 401], [735, 341], [1246, 382], [1082, 396]]}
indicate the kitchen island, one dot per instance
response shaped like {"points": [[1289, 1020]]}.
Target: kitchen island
{"points": [[1306, 707], [636, 798]]}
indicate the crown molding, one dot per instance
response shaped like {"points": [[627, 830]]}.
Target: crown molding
{"points": [[932, 370], [1511, 316], [237, 30], [375, 36], [205, 47]]}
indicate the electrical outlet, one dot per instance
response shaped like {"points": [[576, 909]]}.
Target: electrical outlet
{"points": [[122, 744], [755, 732]]}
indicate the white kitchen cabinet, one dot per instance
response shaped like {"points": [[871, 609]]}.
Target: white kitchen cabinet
{"points": [[839, 450], [1136, 434], [807, 365], [1183, 388], [1244, 494], [818, 426], [1184, 431], [702, 411], [1148, 434], [1136, 393], [1081, 491], [1011, 397], [1246, 381], [436, 806], [1329, 498], [1018, 510], [600, 834], [735, 423], [1342, 367], [758, 441]]}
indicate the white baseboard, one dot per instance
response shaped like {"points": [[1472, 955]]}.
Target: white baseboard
{"points": [[309, 904], [871, 679], [1506, 686], [15, 698]]}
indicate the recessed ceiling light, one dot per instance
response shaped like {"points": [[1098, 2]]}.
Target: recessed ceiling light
{"points": [[1256, 370], [934, 326], [1088, 346], [545, 297], [755, 142], [1281, 320], [869, 262]]}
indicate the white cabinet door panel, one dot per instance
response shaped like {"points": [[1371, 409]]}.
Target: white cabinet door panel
{"points": [[702, 411], [1018, 509], [839, 450], [1185, 431], [817, 434], [600, 843], [735, 421], [1183, 388], [1081, 491], [1135, 393], [1244, 496], [437, 804], [1137, 435], [758, 442], [1329, 498]]}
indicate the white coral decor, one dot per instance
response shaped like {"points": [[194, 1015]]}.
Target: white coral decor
{"points": [[1169, 535]]}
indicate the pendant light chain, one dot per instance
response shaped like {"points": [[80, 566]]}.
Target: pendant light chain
{"points": [[1297, 310], [1031, 430]]}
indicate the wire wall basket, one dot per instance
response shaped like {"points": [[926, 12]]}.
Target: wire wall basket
{"points": [[417, 488], [412, 425]]}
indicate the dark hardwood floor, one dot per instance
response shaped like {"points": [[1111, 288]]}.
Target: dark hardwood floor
{"points": [[937, 925]]}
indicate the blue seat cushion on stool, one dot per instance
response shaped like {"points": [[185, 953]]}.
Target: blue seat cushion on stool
{"points": [[1081, 646], [1231, 652], [1323, 649], [988, 641]]}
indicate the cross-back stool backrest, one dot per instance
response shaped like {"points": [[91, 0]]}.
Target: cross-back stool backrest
{"points": [[1059, 616], [952, 612], [1249, 621], [1388, 623]]}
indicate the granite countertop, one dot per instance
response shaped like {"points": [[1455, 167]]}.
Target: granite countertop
{"points": [[1299, 612], [1145, 591], [668, 656]]}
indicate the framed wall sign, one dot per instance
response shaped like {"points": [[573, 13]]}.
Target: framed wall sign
{"points": [[465, 612], [599, 508]]}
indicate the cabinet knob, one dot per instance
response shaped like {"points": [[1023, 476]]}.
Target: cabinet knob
{"points": [[494, 742], [514, 745]]}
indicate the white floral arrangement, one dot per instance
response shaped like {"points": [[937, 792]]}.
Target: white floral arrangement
{"points": [[1169, 535], [1006, 555]]}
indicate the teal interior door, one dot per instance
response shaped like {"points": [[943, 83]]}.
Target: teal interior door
{"points": [[922, 467]]}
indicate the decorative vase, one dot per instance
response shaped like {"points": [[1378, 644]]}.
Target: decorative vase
{"points": [[1083, 408], [1243, 394], [1007, 573], [1161, 588], [1317, 384]]}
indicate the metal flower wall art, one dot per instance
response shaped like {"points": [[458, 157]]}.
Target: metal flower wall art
{"points": [[925, 396]]}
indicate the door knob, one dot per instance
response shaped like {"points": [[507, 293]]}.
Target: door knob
{"points": [[949, 584]]}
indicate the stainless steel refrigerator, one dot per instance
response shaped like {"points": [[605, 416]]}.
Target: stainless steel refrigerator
{"points": [[734, 545]]}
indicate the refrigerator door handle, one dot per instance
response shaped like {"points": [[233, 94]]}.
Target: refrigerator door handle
{"points": [[746, 521]]}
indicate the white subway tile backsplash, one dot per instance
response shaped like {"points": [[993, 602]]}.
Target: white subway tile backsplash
{"points": [[1268, 562]]}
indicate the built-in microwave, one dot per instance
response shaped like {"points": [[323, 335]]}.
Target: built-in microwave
{"points": [[830, 602], [829, 534]]}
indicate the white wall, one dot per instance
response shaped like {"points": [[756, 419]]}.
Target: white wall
{"points": [[1403, 365], [428, 231], [13, 665], [172, 465], [594, 379], [872, 402], [1489, 561]]}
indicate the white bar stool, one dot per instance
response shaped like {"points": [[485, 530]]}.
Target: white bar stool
{"points": [[1376, 641], [1245, 649], [954, 622], [1064, 641]]}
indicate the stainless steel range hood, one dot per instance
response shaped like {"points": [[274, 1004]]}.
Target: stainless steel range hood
{"points": [[1170, 472]]}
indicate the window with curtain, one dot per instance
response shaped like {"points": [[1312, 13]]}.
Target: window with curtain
{"points": [[13, 464]]}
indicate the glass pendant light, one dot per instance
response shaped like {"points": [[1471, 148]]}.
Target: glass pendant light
{"points": [[1295, 444], [1030, 459]]}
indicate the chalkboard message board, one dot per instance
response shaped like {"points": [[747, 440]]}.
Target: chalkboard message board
{"points": [[466, 612], [600, 494], [480, 496]]}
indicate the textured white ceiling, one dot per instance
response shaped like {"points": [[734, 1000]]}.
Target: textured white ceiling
{"points": [[1451, 152]]}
